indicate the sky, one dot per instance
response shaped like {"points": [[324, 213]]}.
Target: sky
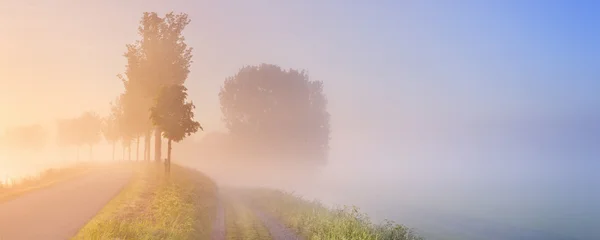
{"points": [[389, 59], [493, 85], [399, 75], [395, 72]]}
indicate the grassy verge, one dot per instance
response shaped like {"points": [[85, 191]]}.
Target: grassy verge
{"points": [[44, 179], [314, 221], [242, 224], [153, 206]]}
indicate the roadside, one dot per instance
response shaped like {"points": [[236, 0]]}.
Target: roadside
{"points": [[154, 206], [312, 220]]}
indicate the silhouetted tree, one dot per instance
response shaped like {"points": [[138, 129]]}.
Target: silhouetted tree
{"points": [[111, 128], [136, 116], [89, 126], [160, 58], [68, 134], [275, 111], [174, 115]]}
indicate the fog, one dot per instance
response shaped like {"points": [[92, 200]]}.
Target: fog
{"points": [[476, 123], [506, 180]]}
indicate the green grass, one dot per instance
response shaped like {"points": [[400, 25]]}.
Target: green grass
{"points": [[242, 224], [314, 221], [42, 180], [154, 206]]}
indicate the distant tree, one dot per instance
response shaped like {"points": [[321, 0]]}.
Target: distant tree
{"points": [[174, 116], [89, 126], [275, 112], [126, 122], [68, 133], [160, 58], [110, 126], [136, 116]]}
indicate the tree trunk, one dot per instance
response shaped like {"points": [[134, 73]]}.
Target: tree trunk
{"points": [[147, 145], [157, 145], [137, 149], [168, 162], [113, 151], [129, 150]]}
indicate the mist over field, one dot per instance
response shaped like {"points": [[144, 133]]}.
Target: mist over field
{"points": [[469, 121], [521, 181]]}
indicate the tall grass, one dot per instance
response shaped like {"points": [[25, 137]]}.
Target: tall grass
{"points": [[315, 221], [154, 206]]}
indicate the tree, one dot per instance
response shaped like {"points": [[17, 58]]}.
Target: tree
{"points": [[277, 113], [68, 133], [174, 116], [89, 126], [160, 58], [110, 126]]}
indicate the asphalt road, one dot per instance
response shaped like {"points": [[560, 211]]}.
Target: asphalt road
{"points": [[59, 211]]}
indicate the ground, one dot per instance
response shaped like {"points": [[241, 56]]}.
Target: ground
{"points": [[139, 201]]}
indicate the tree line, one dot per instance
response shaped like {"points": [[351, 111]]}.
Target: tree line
{"points": [[267, 110]]}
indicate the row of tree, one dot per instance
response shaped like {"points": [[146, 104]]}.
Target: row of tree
{"points": [[80, 131], [154, 97], [269, 112]]}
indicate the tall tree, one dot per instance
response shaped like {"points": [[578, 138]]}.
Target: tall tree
{"points": [[175, 116], [277, 112], [160, 58]]}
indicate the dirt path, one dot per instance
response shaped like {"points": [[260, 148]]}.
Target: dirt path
{"points": [[58, 212], [239, 207], [218, 227], [277, 229]]}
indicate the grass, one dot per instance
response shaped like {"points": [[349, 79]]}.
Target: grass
{"points": [[242, 224], [42, 180], [314, 221], [153, 206]]}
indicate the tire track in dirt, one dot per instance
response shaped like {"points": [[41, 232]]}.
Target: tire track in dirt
{"points": [[277, 229], [218, 227]]}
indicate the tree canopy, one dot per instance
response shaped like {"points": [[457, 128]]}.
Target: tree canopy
{"points": [[83, 130], [282, 112], [174, 116], [160, 58]]}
